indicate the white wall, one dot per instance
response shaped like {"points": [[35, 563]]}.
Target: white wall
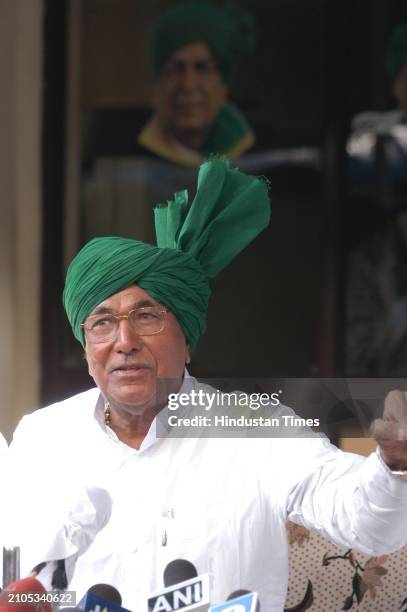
{"points": [[20, 207]]}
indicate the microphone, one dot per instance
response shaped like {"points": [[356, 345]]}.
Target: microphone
{"points": [[38, 569], [101, 598], [106, 591], [179, 570], [239, 601], [238, 593], [184, 589], [20, 596]]}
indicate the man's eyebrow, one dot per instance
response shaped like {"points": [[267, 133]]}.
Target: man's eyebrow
{"points": [[140, 304], [143, 303], [101, 310]]}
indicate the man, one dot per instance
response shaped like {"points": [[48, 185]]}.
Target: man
{"points": [[384, 128], [377, 283], [196, 49], [139, 311]]}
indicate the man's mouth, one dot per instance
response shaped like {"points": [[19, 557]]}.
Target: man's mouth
{"points": [[130, 368]]}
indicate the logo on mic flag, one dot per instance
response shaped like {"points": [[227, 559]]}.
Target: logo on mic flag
{"points": [[93, 603], [191, 595]]}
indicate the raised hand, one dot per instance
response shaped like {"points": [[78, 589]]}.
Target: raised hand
{"points": [[391, 430]]}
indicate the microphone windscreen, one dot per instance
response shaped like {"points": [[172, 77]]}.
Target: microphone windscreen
{"points": [[238, 593], [38, 568], [241, 593], [9, 599], [106, 591], [59, 579], [179, 570], [26, 584]]}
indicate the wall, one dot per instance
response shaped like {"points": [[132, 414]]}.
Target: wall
{"points": [[20, 228]]}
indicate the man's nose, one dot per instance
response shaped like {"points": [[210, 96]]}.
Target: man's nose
{"points": [[189, 77], [127, 339]]}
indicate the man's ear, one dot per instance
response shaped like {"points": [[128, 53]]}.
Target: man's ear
{"points": [[187, 355], [85, 358]]}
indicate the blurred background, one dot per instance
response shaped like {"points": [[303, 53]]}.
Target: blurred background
{"points": [[321, 293]]}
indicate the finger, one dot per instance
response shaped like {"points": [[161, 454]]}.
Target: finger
{"points": [[389, 430], [395, 400]]}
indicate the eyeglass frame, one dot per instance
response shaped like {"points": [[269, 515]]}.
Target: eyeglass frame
{"points": [[162, 309]]}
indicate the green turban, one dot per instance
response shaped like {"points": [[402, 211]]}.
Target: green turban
{"points": [[396, 53], [228, 31], [194, 243]]}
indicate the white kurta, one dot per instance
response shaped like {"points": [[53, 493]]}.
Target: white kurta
{"points": [[220, 503], [3, 445]]}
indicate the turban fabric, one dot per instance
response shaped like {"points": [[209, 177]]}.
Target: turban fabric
{"points": [[396, 53], [194, 243], [228, 31]]}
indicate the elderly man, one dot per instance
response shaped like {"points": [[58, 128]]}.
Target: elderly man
{"points": [[377, 285], [387, 128], [196, 49], [222, 504]]}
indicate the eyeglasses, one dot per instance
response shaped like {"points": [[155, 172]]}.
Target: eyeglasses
{"points": [[144, 321]]}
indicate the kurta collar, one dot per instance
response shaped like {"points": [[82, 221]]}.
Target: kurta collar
{"points": [[151, 436]]}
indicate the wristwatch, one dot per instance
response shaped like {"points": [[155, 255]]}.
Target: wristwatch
{"points": [[402, 473]]}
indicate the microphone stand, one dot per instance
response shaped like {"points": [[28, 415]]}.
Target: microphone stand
{"points": [[11, 565]]}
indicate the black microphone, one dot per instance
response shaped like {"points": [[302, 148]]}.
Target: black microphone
{"points": [[101, 597], [179, 570], [241, 600], [59, 580], [106, 591], [238, 593], [184, 589], [38, 568]]}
